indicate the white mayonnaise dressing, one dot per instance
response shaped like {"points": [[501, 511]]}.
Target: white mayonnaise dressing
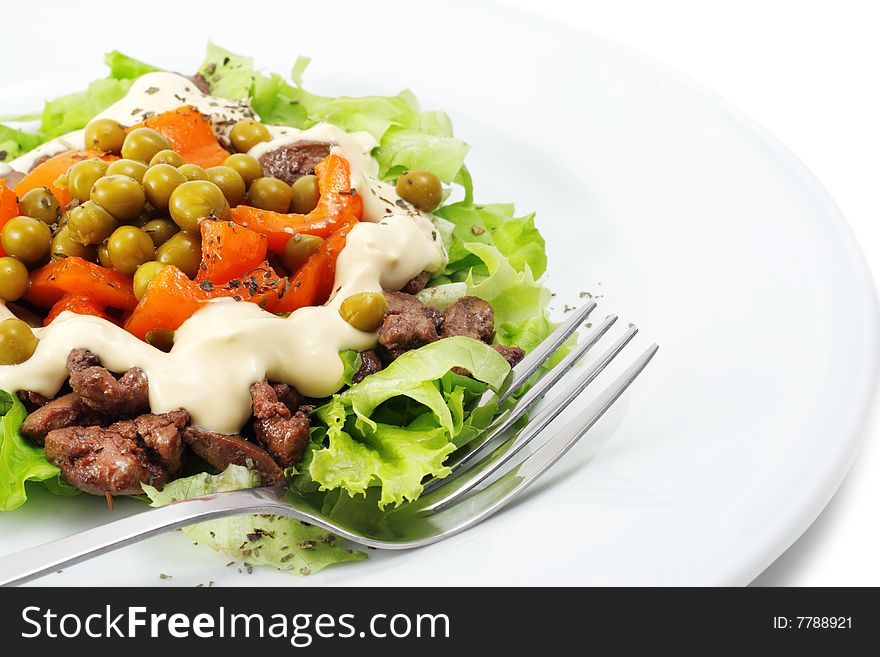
{"points": [[228, 345], [150, 94], [380, 199]]}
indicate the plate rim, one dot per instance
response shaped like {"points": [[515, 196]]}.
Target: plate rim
{"points": [[742, 570], [743, 566]]}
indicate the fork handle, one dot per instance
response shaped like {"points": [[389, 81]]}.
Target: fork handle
{"points": [[35, 562]]}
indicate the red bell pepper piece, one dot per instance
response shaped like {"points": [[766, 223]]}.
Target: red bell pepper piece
{"points": [[228, 251], [8, 207], [78, 277], [312, 284], [189, 133], [338, 201], [78, 304], [45, 173], [172, 298]]}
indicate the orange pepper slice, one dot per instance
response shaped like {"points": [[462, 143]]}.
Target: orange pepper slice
{"points": [[8, 207], [338, 202], [76, 303], [190, 134], [312, 284], [78, 277], [45, 173], [228, 251], [172, 298]]}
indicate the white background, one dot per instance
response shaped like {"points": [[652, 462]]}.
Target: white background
{"points": [[809, 72]]}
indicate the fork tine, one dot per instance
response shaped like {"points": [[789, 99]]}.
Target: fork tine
{"points": [[530, 364], [513, 482], [491, 464], [506, 420]]}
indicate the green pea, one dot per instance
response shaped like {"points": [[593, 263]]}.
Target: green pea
{"points": [[104, 255], [364, 311], [41, 204], [26, 238], [105, 135], [184, 251], [17, 342], [229, 181], [304, 194], [13, 279], [162, 339], [160, 181], [82, 176], [269, 194], [89, 223], [140, 220], [134, 169], [121, 196], [142, 144], [300, 248], [193, 172], [129, 248], [247, 133], [64, 246], [195, 200], [160, 230], [249, 168], [145, 275], [421, 188], [167, 156]]}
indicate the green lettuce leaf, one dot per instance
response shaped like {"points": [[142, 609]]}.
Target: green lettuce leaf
{"points": [[408, 137], [16, 142], [401, 149], [19, 460], [516, 238], [519, 301], [399, 425], [123, 67], [284, 543], [74, 111], [415, 373], [228, 74]]}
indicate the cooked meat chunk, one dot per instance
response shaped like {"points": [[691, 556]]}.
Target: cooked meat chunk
{"points": [[370, 364], [200, 82], [32, 400], [66, 411], [99, 461], [118, 458], [471, 317], [283, 434], [417, 283], [408, 324], [13, 178], [102, 392], [293, 161], [288, 395], [512, 355], [161, 434], [81, 359], [38, 161], [220, 450], [401, 302]]}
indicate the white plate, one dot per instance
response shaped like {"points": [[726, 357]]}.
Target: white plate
{"points": [[683, 215]]}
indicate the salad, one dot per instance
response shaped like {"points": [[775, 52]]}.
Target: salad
{"points": [[221, 281]]}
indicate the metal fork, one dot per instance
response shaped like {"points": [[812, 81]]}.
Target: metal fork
{"points": [[478, 486]]}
